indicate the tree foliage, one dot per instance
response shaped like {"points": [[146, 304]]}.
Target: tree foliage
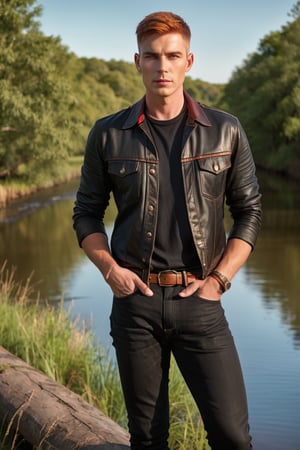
{"points": [[265, 93], [34, 96]]}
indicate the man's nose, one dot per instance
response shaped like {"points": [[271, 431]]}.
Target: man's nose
{"points": [[162, 64]]}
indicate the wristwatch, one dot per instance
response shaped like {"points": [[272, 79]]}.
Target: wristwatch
{"points": [[222, 280]]}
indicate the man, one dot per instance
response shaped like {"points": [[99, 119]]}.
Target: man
{"points": [[170, 163]]}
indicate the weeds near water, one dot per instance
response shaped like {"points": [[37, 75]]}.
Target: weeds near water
{"points": [[186, 428]]}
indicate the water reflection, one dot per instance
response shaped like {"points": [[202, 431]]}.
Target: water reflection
{"points": [[275, 264], [36, 238]]}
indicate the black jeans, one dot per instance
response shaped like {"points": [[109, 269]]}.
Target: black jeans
{"points": [[145, 331]]}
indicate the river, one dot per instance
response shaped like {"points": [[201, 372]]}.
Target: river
{"points": [[263, 306]]}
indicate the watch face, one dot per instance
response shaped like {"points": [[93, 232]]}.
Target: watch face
{"points": [[227, 285]]}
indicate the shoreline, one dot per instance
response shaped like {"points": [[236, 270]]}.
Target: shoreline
{"points": [[10, 192]]}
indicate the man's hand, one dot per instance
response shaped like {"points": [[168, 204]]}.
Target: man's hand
{"points": [[208, 289], [124, 282], [236, 253]]}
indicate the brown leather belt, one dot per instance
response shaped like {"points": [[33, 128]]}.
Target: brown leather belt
{"points": [[172, 278]]}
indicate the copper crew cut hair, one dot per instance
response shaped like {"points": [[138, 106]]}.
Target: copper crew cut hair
{"points": [[162, 22]]}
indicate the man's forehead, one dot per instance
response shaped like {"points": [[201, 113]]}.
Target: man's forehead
{"points": [[171, 41]]}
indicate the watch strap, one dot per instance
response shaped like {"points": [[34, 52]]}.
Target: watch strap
{"points": [[222, 280]]}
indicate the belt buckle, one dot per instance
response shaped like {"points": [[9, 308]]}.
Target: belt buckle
{"points": [[166, 272]]}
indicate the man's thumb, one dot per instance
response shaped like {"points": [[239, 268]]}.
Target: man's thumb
{"points": [[144, 288]]}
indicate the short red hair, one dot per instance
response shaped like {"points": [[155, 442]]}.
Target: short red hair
{"points": [[162, 22]]}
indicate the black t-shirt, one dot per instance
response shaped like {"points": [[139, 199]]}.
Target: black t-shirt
{"points": [[174, 245]]}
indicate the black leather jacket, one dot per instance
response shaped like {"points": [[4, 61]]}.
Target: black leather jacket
{"points": [[217, 165]]}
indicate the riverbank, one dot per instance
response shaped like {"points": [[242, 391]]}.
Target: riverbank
{"points": [[44, 337], [11, 190]]}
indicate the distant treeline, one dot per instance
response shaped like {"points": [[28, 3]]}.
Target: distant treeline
{"points": [[50, 98]]}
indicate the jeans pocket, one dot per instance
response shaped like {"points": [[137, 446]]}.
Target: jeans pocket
{"points": [[125, 297], [207, 300]]}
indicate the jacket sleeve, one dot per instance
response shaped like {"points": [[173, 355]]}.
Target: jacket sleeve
{"points": [[242, 191], [93, 194]]}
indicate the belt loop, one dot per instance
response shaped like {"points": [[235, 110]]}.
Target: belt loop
{"points": [[145, 276], [184, 278]]}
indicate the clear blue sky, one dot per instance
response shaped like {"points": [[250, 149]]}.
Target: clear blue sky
{"points": [[224, 32]]}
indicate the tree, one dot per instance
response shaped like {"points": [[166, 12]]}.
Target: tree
{"points": [[295, 11], [265, 94], [34, 96], [202, 91]]}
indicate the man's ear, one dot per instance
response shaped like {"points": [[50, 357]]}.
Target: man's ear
{"points": [[190, 62], [137, 61]]}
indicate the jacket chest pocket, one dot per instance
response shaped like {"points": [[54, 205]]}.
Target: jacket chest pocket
{"points": [[125, 179], [212, 174]]}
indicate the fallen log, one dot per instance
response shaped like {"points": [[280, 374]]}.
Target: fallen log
{"points": [[50, 416]]}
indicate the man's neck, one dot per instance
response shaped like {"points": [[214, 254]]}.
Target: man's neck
{"points": [[164, 108]]}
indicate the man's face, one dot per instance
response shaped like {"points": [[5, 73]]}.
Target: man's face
{"points": [[163, 62]]}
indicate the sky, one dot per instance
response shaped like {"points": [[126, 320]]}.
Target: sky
{"points": [[224, 32]]}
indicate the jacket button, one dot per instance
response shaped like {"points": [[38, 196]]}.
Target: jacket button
{"points": [[149, 234], [122, 170], [152, 171], [150, 208], [216, 167]]}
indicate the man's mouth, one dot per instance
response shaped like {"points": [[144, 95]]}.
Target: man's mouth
{"points": [[162, 81]]}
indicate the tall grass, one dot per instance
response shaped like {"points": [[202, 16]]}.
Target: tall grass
{"points": [[46, 338]]}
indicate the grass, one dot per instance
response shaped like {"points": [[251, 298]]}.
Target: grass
{"points": [[47, 339]]}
